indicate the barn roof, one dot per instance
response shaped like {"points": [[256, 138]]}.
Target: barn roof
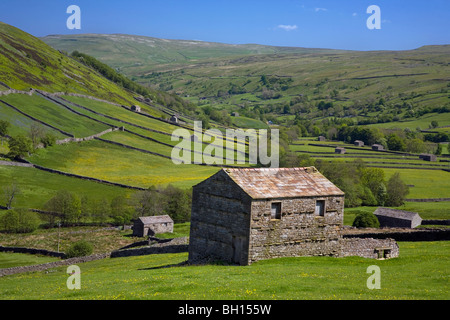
{"points": [[260, 183], [394, 213], [155, 219]]}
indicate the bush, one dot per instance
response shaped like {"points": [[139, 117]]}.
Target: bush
{"points": [[79, 249], [366, 219], [19, 221]]}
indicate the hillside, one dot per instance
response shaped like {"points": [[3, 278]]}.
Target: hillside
{"points": [[139, 156], [82, 111], [279, 83]]}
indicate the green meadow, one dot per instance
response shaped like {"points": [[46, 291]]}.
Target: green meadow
{"points": [[113, 163], [420, 273]]}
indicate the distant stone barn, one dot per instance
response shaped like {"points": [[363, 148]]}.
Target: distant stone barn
{"points": [[397, 218], [136, 108], [149, 226], [245, 215]]}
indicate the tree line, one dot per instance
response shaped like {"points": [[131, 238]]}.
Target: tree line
{"points": [[69, 209]]}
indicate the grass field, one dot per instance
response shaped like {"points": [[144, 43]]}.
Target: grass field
{"points": [[37, 186], [421, 272], [116, 164], [55, 115], [8, 260]]}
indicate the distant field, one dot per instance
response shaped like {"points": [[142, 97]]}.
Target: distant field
{"points": [[421, 273], [37, 186], [423, 122], [20, 124], [55, 115], [427, 183], [10, 260], [116, 164]]}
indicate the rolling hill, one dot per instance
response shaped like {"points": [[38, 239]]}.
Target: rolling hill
{"points": [[280, 82]]}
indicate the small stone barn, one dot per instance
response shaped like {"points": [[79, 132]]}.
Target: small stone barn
{"points": [[321, 138], [428, 157], [245, 215], [339, 150], [136, 108], [397, 218], [377, 147], [149, 226], [174, 118], [359, 143]]}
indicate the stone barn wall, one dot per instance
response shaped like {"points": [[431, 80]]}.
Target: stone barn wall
{"points": [[220, 219], [299, 232]]}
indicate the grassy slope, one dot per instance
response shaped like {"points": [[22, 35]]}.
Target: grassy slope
{"points": [[421, 272], [28, 62], [36, 186]]}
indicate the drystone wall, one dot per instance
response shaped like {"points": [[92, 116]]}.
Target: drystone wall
{"points": [[50, 265], [369, 248]]}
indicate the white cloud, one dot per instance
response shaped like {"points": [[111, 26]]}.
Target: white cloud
{"points": [[287, 27], [320, 9], [354, 14]]}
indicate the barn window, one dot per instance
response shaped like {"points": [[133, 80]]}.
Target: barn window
{"points": [[276, 211], [320, 208]]}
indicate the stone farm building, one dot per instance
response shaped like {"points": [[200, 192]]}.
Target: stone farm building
{"points": [[149, 226], [377, 147], [397, 218], [136, 108], [359, 143], [244, 215]]}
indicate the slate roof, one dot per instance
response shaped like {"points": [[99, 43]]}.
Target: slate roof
{"points": [[394, 213], [155, 219], [261, 183]]}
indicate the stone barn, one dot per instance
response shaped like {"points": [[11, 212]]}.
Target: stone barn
{"points": [[359, 143], [321, 138], [174, 118], [397, 218], [245, 215], [136, 108], [149, 226], [339, 150], [428, 157], [377, 147]]}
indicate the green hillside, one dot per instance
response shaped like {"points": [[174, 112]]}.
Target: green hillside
{"points": [[278, 83]]}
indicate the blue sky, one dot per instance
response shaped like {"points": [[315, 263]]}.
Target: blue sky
{"points": [[337, 24]]}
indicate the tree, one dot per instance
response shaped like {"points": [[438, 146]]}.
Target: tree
{"points": [[120, 210], [10, 193], [80, 248], [373, 178], [366, 219], [177, 204], [20, 221], [394, 142], [36, 133], [4, 126], [149, 202], [20, 146], [434, 124], [397, 190], [67, 205]]}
